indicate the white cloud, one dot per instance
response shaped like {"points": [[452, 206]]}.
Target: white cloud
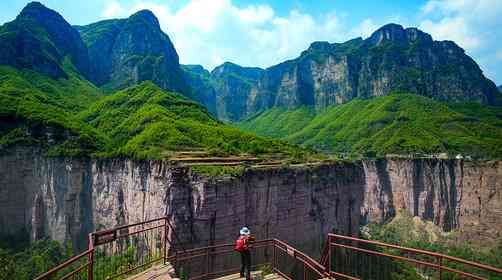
{"points": [[472, 24], [365, 28], [454, 29], [255, 14], [210, 32], [112, 9]]}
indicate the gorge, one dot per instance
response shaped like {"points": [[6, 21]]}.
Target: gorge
{"points": [[66, 198]]}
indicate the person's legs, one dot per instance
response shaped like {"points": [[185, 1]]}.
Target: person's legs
{"points": [[247, 257], [243, 263]]}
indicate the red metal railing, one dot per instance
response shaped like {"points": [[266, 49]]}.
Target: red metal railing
{"points": [[365, 259], [132, 248], [129, 249], [269, 255], [119, 251]]}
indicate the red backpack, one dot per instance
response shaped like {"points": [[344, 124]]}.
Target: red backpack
{"points": [[240, 244]]}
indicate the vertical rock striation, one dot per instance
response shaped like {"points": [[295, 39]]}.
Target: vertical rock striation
{"points": [[66, 198], [454, 194]]}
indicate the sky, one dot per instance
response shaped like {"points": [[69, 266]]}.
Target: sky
{"points": [[263, 33]]}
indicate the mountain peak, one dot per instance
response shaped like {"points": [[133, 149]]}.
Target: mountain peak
{"points": [[230, 67], [320, 46], [389, 32], [39, 12], [398, 34], [147, 16], [44, 51]]}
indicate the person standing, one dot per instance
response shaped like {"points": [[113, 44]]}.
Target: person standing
{"points": [[243, 246]]}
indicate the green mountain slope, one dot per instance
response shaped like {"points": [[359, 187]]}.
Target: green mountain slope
{"points": [[398, 123], [43, 62], [279, 122], [144, 121], [36, 109]]}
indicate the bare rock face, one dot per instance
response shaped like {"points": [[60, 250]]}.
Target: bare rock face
{"points": [[455, 195], [66, 198]]}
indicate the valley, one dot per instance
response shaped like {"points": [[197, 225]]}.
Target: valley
{"points": [[100, 126]]}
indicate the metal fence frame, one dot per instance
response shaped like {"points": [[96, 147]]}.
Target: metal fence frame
{"points": [[275, 253], [353, 244]]}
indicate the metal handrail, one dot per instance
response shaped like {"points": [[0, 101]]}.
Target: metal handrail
{"points": [[321, 269], [332, 238], [65, 264]]}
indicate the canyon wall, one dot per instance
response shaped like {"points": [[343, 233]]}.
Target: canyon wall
{"points": [[456, 195], [66, 198]]}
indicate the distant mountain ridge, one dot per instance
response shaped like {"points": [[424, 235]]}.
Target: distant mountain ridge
{"points": [[392, 58]]}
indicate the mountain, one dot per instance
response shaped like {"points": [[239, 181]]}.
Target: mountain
{"points": [[500, 88], [392, 58], [225, 89], [400, 123], [125, 52], [40, 39], [233, 85], [200, 82], [50, 100], [43, 65]]}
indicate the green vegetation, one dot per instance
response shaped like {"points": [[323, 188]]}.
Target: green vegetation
{"points": [[219, 171], [398, 123], [28, 261], [93, 32], [34, 106], [144, 121], [279, 122]]}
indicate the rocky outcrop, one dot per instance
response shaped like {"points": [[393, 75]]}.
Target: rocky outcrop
{"points": [[65, 198], [454, 194], [125, 52], [202, 87], [393, 58], [225, 91]]}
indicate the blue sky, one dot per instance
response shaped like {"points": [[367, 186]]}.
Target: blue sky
{"points": [[263, 33]]}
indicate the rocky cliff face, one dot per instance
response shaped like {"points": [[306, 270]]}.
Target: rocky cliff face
{"points": [[128, 51], [226, 90], [65, 198], [456, 195], [391, 59]]}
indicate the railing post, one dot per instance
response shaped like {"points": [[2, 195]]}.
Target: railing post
{"points": [[440, 263], [274, 260], [207, 263], [165, 240], [304, 271], [328, 268], [90, 257]]}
